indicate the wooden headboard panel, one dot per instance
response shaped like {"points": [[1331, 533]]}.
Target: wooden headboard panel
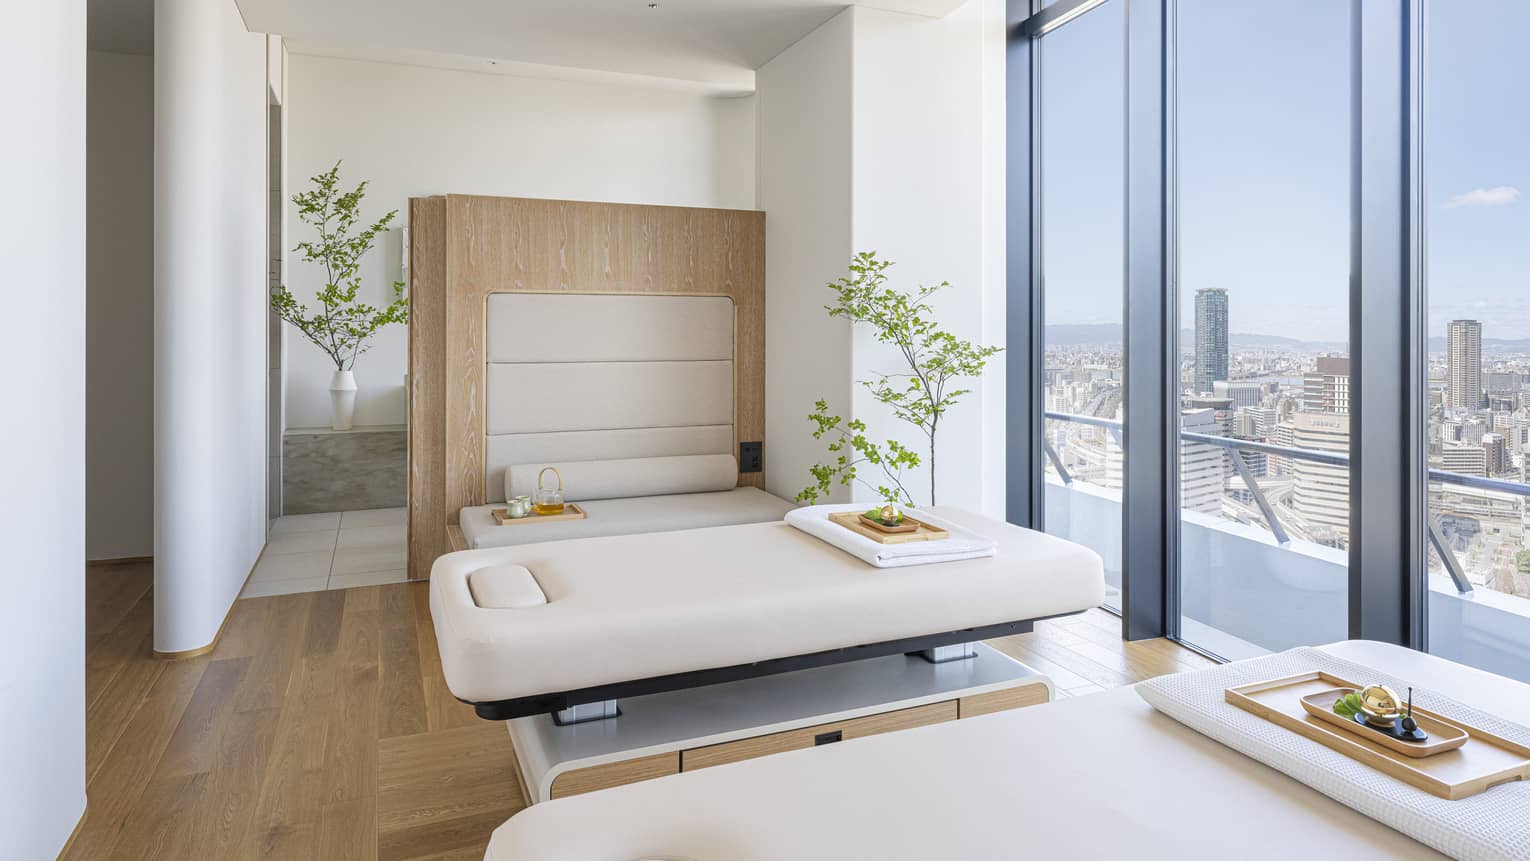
{"points": [[462, 248]]}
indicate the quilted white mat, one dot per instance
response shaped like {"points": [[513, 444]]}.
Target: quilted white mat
{"points": [[1492, 826]]}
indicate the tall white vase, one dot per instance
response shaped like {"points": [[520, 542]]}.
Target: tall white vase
{"points": [[342, 398]]}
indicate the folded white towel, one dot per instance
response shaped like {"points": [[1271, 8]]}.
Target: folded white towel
{"points": [[963, 544]]}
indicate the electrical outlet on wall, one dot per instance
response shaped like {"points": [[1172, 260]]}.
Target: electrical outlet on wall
{"points": [[751, 457]]}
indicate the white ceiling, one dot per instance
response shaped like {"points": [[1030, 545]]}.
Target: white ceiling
{"points": [[716, 44]]}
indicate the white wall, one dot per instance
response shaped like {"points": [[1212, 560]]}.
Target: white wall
{"points": [[923, 159], [882, 131], [42, 623], [804, 96], [413, 131], [119, 277], [209, 314]]}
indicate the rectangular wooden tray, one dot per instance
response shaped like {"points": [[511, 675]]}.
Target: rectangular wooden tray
{"points": [[571, 511], [851, 520], [1484, 761], [1443, 735]]}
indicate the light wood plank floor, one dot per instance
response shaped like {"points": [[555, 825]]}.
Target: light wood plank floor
{"points": [[320, 727]]}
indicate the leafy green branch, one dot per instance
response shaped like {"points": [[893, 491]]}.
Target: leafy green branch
{"points": [[341, 326], [935, 359], [851, 449]]}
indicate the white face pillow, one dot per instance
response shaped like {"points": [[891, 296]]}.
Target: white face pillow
{"points": [[622, 479], [505, 587]]}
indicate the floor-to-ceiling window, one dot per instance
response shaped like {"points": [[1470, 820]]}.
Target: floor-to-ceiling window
{"points": [[1081, 100], [1476, 242], [1261, 186]]}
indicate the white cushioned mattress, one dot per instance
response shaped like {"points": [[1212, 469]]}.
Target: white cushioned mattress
{"points": [[634, 607], [628, 516], [1099, 776]]}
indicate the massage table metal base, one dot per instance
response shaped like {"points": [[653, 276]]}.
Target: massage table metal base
{"points": [[680, 730], [544, 704]]}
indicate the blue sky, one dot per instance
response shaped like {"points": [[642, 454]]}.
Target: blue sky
{"points": [[1264, 164]]}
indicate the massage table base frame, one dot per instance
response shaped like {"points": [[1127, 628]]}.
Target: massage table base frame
{"points": [[543, 704], [587, 712], [954, 652], [686, 729]]}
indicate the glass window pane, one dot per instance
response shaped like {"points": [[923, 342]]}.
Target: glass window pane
{"points": [[1083, 185], [1477, 271], [1263, 171]]}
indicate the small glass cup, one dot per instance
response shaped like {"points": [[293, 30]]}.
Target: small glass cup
{"points": [[518, 507]]}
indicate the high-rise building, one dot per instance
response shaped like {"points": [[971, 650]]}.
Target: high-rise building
{"points": [[1241, 394], [1496, 453], [1325, 389], [1320, 494], [1465, 459], [1263, 419], [1210, 338], [1203, 467], [1463, 360]]}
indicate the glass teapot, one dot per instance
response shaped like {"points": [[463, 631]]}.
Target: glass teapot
{"points": [[549, 500]]}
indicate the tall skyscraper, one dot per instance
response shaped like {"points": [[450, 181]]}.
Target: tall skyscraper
{"points": [[1203, 468], [1211, 338], [1325, 389], [1463, 361], [1320, 496]]}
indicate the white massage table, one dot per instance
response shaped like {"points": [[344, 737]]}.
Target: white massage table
{"points": [[639, 614], [1101, 776]]}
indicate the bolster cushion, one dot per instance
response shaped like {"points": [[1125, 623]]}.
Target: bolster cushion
{"points": [[622, 479], [505, 587]]}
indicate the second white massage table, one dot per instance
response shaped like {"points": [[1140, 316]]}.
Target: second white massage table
{"points": [[640, 614], [1100, 776]]}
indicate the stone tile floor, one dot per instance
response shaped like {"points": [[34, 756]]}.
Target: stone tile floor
{"points": [[336, 550]]}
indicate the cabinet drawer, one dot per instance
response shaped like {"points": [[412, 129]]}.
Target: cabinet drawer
{"points": [[998, 701], [595, 777], [797, 739]]}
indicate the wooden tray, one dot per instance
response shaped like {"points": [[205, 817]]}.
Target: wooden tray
{"points": [[903, 528], [1443, 735], [1483, 761], [571, 511], [851, 520]]}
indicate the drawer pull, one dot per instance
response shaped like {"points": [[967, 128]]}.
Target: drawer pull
{"points": [[828, 737]]}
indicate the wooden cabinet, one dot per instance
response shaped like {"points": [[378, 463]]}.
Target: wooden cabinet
{"points": [[582, 780], [797, 739]]}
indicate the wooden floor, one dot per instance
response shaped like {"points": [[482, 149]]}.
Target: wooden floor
{"points": [[320, 727]]}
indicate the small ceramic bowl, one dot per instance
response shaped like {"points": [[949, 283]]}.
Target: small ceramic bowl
{"points": [[518, 506]]}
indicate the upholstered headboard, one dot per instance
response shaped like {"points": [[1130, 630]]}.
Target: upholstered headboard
{"points": [[577, 377], [544, 330]]}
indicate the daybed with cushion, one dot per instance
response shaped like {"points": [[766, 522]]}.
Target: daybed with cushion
{"points": [[1099, 776], [623, 497], [639, 614]]}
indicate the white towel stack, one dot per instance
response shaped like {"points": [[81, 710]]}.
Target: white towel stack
{"points": [[963, 544]]}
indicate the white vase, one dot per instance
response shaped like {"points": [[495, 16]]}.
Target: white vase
{"points": [[342, 399]]}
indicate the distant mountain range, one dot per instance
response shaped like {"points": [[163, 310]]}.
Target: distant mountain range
{"points": [[1084, 334]]}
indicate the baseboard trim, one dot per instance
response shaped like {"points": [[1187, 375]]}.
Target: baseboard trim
{"points": [[227, 614], [79, 823]]}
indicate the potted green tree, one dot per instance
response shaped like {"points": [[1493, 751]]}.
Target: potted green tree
{"points": [[341, 326]]}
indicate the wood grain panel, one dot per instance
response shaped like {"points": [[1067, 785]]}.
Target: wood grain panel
{"points": [[520, 245], [427, 383], [584, 780], [998, 701], [799, 739]]}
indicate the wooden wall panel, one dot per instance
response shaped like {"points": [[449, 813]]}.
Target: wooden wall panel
{"points": [[523, 245], [427, 383]]}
